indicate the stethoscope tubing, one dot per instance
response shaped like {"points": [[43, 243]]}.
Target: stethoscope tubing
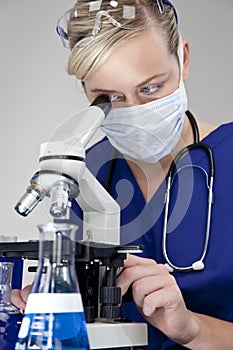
{"points": [[198, 264]]}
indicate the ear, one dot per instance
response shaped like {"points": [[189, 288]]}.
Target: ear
{"points": [[186, 60]]}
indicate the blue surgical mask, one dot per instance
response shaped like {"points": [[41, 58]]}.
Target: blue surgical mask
{"points": [[150, 131]]}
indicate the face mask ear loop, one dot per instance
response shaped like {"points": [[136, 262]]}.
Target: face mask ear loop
{"points": [[180, 54]]}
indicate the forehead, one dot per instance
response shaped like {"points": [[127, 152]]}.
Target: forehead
{"points": [[132, 60]]}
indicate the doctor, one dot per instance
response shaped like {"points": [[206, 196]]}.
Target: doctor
{"points": [[132, 52]]}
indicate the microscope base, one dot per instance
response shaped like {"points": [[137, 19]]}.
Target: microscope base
{"points": [[117, 336]]}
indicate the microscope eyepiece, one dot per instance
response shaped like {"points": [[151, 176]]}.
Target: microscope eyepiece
{"points": [[104, 103]]}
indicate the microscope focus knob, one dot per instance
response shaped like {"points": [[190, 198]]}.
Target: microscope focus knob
{"points": [[110, 311], [110, 298]]}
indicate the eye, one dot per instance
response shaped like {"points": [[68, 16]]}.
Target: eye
{"points": [[150, 90]]}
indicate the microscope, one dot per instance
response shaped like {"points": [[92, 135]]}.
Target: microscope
{"points": [[64, 177]]}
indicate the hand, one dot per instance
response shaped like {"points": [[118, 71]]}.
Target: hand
{"points": [[158, 298], [19, 297]]}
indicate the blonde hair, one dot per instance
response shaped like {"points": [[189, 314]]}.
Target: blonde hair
{"points": [[88, 52]]}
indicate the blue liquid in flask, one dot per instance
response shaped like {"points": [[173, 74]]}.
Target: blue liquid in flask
{"points": [[64, 329], [53, 331]]}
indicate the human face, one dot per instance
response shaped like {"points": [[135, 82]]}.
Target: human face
{"points": [[138, 71]]}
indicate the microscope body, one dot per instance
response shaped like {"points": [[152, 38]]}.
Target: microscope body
{"points": [[63, 177]]}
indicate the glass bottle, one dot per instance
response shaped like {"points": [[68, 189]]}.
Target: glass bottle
{"points": [[10, 316], [54, 317]]}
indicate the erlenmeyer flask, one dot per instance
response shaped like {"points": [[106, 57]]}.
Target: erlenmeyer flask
{"points": [[10, 316], [54, 317]]}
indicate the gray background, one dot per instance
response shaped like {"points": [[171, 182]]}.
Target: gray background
{"points": [[36, 93]]}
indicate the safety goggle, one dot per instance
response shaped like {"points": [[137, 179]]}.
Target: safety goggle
{"points": [[84, 10]]}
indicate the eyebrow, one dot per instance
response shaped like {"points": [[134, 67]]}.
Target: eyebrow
{"points": [[99, 90], [151, 78], [103, 91]]}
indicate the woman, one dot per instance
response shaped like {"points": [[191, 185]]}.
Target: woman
{"points": [[133, 53]]}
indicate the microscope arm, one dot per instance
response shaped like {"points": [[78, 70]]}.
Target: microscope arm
{"points": [[101, 214], [63, 176]]}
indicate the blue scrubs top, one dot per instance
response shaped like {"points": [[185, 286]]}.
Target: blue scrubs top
{"points": [[209, 291]]}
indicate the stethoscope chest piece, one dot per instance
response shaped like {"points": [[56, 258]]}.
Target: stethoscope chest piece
{"points": [[196, 266]]}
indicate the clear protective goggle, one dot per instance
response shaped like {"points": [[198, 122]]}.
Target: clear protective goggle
{"points": [[82, 10]]}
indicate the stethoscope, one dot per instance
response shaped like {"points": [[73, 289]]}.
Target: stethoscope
{"points": [[198, 264], [173, 170]]}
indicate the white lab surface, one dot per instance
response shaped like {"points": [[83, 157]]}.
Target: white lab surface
{"points": [[37, 94]]}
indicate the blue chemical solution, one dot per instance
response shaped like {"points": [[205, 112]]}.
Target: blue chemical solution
{"points": [[9, 329], [51, 331]]}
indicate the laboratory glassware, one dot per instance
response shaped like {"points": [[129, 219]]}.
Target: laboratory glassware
{"points": [[10, 316], [54, 317]]}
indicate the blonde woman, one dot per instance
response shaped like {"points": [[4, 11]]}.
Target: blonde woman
{"points": [[182, 284]]}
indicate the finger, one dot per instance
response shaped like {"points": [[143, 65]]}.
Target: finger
{"points": [[17, 299], [168, 299], [148, 285], [119, 271], [135, 273], [25, 292], [134, 260]]}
